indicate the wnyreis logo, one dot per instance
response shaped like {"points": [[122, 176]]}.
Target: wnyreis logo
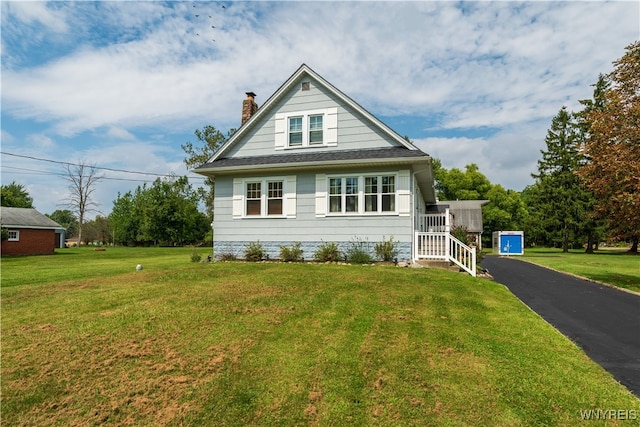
{"points": [[609, 414]]}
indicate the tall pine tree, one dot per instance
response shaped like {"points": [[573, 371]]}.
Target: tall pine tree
{"points": [[561, 200]]}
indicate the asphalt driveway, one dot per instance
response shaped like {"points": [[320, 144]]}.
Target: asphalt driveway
{"points": [[603, 321]]}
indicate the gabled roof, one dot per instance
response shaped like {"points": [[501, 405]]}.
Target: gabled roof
{"points": [[284, 89], [25, 218], [467, 213]]}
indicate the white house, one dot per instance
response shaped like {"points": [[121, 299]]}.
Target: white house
{"points": [[312, 166]]}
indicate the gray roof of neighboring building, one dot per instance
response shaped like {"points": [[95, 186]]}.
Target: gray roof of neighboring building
{"points": [[467, 213], [316, 157], [25, 218]]}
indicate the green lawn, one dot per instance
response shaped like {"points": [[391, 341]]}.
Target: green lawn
{"points": [[87, 340], [614, 267]]}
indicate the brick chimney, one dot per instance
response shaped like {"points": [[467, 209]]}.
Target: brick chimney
{"points": [[249, 107]]}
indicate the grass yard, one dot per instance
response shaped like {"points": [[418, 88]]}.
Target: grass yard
{"points": [[614, 267], [87, 340]]}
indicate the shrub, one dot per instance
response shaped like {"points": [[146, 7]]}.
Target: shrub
{"points": [[227, 256], [195, 256], [254, 252], [461, 233], [327, 252], [358, 252], [386, 250], [292, 253]]}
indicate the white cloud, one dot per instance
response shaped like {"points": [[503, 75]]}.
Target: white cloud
{"points": [[36, 12], [40, 142], [124, 70]]}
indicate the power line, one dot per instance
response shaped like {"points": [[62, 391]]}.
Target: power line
{"points": [[26, 171], [95, 167]]}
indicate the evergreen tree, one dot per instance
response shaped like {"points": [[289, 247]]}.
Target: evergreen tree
{"points": [[561, 200]]}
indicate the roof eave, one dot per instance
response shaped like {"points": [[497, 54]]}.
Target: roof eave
{"points": [[394, 161]]}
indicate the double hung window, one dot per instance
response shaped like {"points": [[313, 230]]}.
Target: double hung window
{"points": [[14, 236], [254, 198], [274, 198], [295, 131], [315, 129]]}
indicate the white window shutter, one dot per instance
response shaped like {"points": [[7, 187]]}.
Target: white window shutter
{"points": [[404, 192], [331, 120], [321, 195], [281, 131], [290, 196], [238, 198]]}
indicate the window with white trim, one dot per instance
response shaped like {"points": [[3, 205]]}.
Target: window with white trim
{"points": [[264, 197], [274, 197], [14, 236], [380, 193], [302, 129], [295, 131], [253, 199], [362, 194]]}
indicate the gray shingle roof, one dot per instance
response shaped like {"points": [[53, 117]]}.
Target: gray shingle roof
{"points": [[467, 213], [316, 157], [25, 218]]}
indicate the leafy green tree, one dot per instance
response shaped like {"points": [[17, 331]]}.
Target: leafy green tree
{"points": [[210, 140], [15, 196], [505, 211], [561, 199], [67, 219], [125, 220], [164, 213], [455, 184]]}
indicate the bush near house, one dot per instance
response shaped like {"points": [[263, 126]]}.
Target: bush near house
{"points": [[291, 253], [327, 252], [254, 252]]}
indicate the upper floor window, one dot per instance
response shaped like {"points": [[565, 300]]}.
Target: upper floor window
{"points": [[315, 129], [306, 128], [295, 131]]}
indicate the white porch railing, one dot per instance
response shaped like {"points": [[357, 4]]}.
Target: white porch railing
{"points": [[443, 246], [434, 223]]}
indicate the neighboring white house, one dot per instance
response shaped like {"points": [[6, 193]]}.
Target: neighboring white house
{"points": [[312, 166]]}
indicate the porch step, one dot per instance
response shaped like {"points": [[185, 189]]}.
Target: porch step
{"points": [[443, 265]]}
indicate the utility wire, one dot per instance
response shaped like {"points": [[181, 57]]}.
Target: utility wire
{"points": [[95, 167]]}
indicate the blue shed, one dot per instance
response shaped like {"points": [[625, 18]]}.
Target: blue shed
{"points": [[508, 242]]}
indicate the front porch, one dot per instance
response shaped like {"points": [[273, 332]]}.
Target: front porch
{"points": [[433, 241]]}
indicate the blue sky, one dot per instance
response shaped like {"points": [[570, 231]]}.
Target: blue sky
{"points": [[122, 85]]}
